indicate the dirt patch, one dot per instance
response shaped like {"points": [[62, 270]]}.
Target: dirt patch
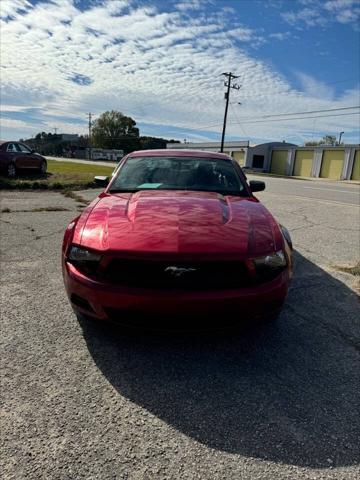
{"points": [[353, 270], [38, 209], [75, 196]]}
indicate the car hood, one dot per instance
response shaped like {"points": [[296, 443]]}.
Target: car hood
{"points": [[181, 222]]}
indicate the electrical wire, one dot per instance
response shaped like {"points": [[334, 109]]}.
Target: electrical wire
{"points": [[295, 93], [237, 118], [298, 118], [312, 111], [256, 119]]}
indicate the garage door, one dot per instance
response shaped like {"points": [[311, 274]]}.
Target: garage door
{"points": [[279, 162], [303, 163], [239, 157], [332, 164], [356, 168]]}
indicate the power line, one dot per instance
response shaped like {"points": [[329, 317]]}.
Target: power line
{"points": [[312, 111], [249, 119], [237, 118], [298, 118], [300, 113], [294, 93], [279, 120]]}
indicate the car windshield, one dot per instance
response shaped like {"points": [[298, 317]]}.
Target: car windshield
{"points": [[178, 173]]}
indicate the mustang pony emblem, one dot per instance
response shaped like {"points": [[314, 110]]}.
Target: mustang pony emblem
{"points": [[178, 271]]}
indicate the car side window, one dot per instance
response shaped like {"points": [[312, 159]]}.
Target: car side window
{"points": [[23, 148], [11, 148]]}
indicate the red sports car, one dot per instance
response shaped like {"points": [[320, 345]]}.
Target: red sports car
{"points": [[16, 156], [177, 234]]}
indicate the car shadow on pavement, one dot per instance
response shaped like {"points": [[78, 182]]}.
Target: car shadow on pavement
{"points": [[285, 392]]}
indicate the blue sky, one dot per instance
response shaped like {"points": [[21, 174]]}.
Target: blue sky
{"points": [[160, 62]]}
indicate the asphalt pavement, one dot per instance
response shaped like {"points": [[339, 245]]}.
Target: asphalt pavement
{"points": [[318, 189], [85, 401], [86, 162]]}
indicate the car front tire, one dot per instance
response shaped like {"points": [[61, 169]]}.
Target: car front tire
{"points": [[11, 170], [43, 168]]}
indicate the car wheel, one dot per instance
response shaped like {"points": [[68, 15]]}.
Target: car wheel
{"points": [[43, 167], [11, 170]]}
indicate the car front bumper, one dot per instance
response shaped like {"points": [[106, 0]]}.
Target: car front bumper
{"points": [[125, 305]]}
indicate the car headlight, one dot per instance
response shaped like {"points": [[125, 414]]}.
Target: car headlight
{"points": [[84, 259], [79, 254], [269, 266], [273, 260], [286, 235]]}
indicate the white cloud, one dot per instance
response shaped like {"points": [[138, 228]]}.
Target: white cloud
{"points": [[309, 16], [280, 35], [160, 68], [337, 4], [322, 13], [13, 108], [348, 16], [186, 6], [11, 125], [229, 10], [314, 88], [11, 8]]}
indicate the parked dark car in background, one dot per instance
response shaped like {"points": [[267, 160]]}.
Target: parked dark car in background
{"points": [[16, 156]]}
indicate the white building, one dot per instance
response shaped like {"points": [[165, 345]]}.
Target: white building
{"points": [[106, 154], [237, 150]]}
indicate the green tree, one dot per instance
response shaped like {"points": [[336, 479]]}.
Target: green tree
{"points": [[114, 130], [326, 140], [150, 143]]}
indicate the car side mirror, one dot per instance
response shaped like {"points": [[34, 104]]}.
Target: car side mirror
{"points": [[257, 186], [101, 181], [32, 151]]}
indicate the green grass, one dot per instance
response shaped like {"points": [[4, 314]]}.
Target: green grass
{"points": [[60, 176]]}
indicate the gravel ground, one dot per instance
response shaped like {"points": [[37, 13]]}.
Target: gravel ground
{"points": [[83, 401]]}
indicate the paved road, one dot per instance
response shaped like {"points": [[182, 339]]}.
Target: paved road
{"points": [[85, 402], [329, 191], [87, 162]]}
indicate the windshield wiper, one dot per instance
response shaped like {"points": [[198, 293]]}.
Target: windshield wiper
{"points": [[124, 190], [231, 193], [242, 193], [235, 193]]}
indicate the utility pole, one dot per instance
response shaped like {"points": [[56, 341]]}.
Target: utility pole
{"points": [[340, 135], [55, 130], [90, 125], [227, 84]]}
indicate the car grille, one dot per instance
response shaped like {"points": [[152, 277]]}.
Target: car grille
{"points": [[184, 275]]}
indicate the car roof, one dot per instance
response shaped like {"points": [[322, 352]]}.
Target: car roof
{"points": [[178, 153], [2, 142]]}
